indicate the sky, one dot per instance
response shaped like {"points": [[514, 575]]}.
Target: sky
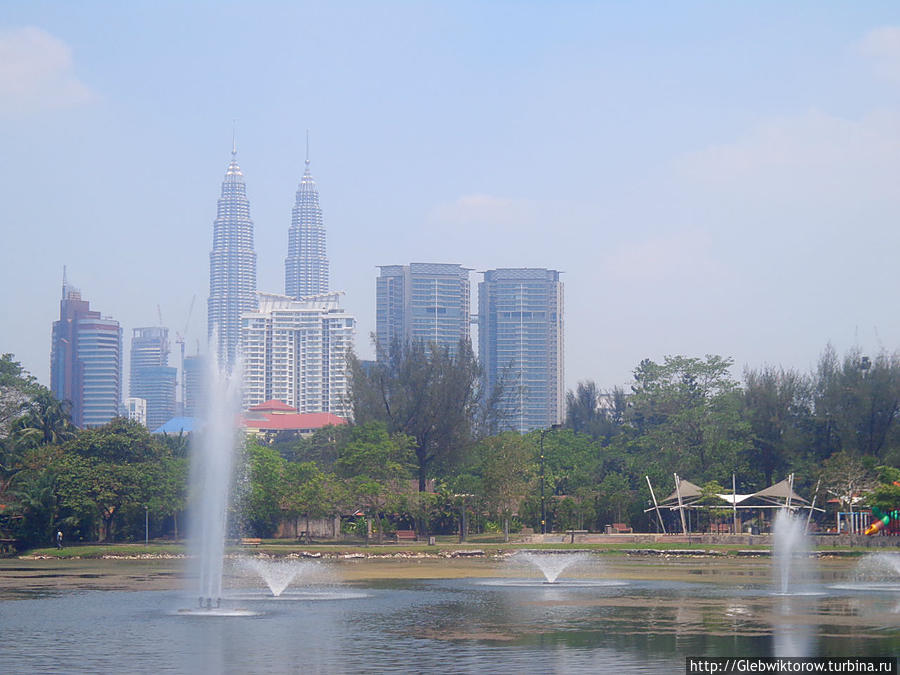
{"points": [[711, 178]]}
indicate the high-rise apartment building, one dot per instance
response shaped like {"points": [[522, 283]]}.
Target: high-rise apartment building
{"points": [[151, 378], [520, 344], [136, 410], [295, 351], [86, 360], [306, 265], [421, 302], [232, 266]]}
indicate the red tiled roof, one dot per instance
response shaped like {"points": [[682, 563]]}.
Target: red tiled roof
{"points": [[274, 405], [292, 422]]}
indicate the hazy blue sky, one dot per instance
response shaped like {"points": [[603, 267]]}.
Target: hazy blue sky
{"points": [[711, 177]]}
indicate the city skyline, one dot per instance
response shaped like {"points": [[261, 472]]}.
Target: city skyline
{"points": [[708, 179]]}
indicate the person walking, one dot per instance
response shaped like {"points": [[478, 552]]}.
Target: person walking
{"points": [[59, 539]]}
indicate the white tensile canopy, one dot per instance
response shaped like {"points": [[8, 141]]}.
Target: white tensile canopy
{"points": [[688, 495]]}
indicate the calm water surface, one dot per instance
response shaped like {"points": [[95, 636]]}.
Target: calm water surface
{"points": [[459, 625]]}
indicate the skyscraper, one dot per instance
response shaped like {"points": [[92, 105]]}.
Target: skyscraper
{"points": [[232, 265], [86, 360], [520, 344], [193, 385], [151, 377], [421, 302], [295, 351], [306, 266]]}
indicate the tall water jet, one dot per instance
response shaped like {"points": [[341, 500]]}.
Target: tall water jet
{"points": [[212, 458], [792, 551]]}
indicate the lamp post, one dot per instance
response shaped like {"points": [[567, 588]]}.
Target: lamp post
{"points": [[146, 525], [553, 427]]}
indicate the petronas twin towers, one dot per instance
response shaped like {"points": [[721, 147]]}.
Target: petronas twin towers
{"points": [[232, 261], [306, 266]]}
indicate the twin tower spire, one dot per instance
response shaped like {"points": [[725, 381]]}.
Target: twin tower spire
{"points": [[232, 261]]}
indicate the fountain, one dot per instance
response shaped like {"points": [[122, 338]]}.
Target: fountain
{"points": [[878, 572], [879, 567], [278, 574], [791, 551], [212, 452], [551, 563]]}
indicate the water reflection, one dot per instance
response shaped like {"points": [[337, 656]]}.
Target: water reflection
{"points": [[790, 636]]}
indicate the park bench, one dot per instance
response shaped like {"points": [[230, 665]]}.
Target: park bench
{"points": [[572, 533], [250, 541], [622, 528], [405, 535]]}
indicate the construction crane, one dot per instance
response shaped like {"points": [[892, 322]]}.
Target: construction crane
{"points": [[179, 339]]}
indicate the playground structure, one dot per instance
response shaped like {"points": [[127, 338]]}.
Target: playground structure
{"points": [[882, 520]]}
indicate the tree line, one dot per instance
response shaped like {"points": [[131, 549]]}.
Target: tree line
{"points": [[426, 450]]}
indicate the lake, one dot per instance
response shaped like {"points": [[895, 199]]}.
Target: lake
{"points": [[608, 613]]}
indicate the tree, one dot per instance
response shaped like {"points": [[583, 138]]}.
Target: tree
{"points": [[46, 421], [687, 412], [322, 447], [109, 473], [857, 402], [426, 392], [886, 493], [615, 494], [847, 478], [310, 492], [36, 507], [506, 468], [17, 388], [375, 466], [598, 414], [263, 503], [90, 487], [778, 406]]}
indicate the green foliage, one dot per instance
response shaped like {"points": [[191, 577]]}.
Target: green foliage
{"points": [[886, 493], [778, 406], [426, 393], [597, 414], [857, 401], [322, 447], [376, 466], [505, 464], [262, 511], [107, 476], [420, 415], [615, 494], [17, 388], [688, 413]]}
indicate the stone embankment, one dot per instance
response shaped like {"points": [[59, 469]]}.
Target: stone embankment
{"points": [[820, 541]]}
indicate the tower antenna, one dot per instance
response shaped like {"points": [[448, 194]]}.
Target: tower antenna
{"points": [[233, 138], [307, 148]]}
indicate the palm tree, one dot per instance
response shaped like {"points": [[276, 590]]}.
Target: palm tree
{"points": [[47, 421]]}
